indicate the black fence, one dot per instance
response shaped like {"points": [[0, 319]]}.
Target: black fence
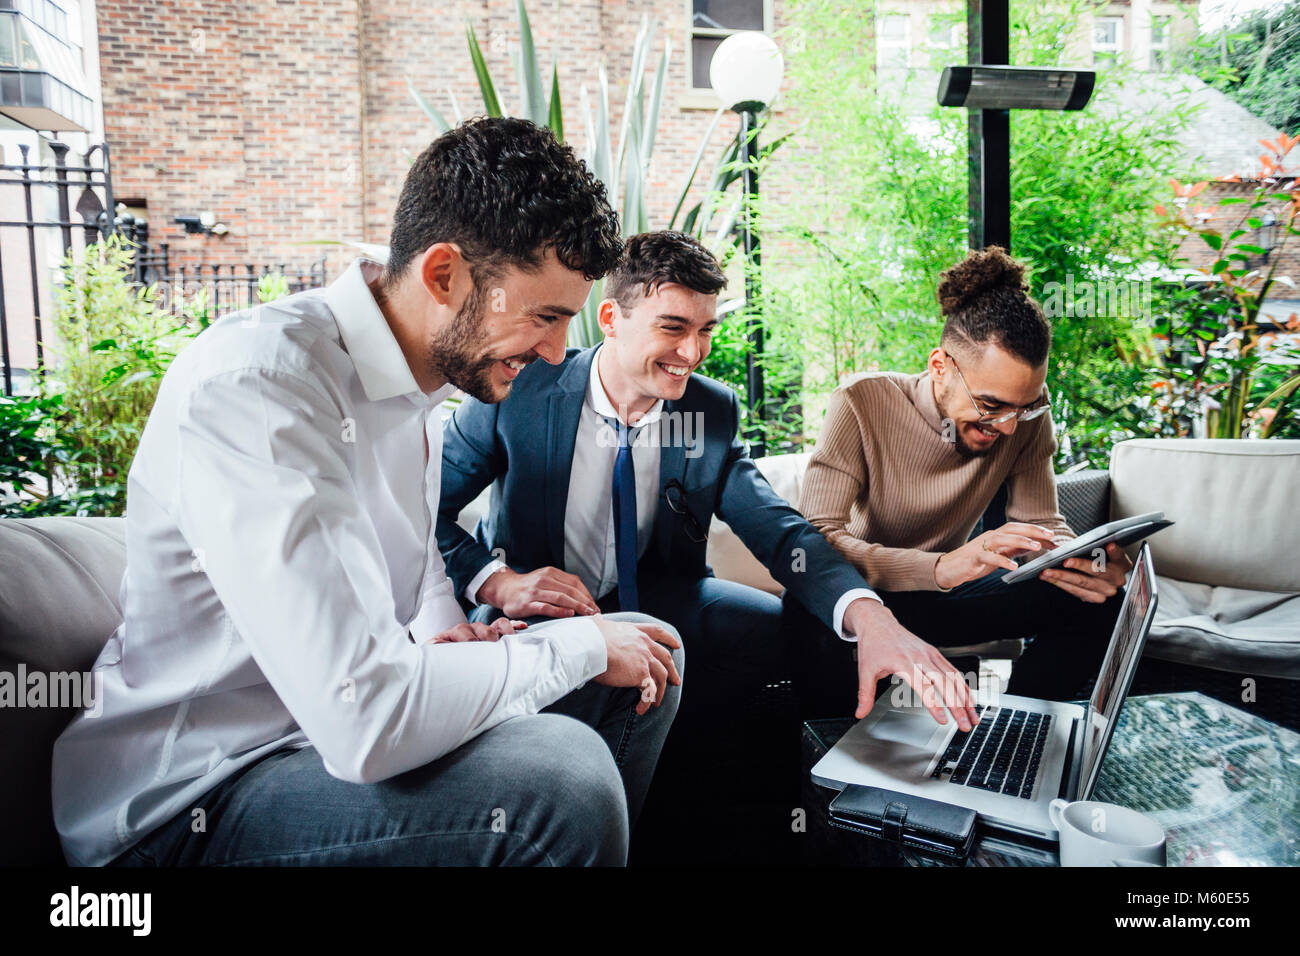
{"points": [[91, 182], [80, 212], [218, 287]]}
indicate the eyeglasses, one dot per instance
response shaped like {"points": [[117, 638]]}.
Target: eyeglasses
{"points": [[676, 496], [1025, 414]]}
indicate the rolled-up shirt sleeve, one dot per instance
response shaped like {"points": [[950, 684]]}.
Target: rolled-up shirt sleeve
{"points": [[273, 517]]}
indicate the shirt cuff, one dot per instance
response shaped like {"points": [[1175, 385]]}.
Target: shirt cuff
{"points": [[595, 655], [842, 605], [476, 582], [579, 643]]}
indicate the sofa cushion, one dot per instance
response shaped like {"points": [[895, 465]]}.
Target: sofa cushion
{"points": [[1229, 629], [727, 554], [1233, 501], [59, 583]]}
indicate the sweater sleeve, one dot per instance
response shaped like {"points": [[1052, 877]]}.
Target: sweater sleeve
{"points": [[837, 478], [1031, 484]]}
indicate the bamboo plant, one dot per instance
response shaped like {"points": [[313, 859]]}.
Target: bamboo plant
{"points": [[622, 164]]}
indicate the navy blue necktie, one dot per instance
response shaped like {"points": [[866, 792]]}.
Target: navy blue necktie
{"points": [[625, 521]]}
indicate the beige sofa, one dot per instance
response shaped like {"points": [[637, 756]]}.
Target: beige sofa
{"points": [[1229, 582], [1229, 568]]}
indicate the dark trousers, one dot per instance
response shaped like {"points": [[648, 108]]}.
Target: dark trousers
{"points": [[734, 636], [1067, 638], [727, 776], [727, 779]]}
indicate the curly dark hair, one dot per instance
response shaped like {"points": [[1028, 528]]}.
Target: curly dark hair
{"points": [[985, 298], [504, 190], [652, 259]]}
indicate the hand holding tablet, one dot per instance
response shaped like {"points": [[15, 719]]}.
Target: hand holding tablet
{"points": [[1122, 532]]}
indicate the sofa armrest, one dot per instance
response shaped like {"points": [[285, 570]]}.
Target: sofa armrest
{"points": [[1084, 499]]}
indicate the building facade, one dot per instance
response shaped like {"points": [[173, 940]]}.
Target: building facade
{"points": [[293, 123]]}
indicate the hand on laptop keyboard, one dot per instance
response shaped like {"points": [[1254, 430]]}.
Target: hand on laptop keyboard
{"points": [[885, 648]]}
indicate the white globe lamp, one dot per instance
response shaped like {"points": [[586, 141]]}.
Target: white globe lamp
{"points": [[746, 71]]}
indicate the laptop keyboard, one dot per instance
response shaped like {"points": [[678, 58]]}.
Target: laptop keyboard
{"points": [[1000, 755]]}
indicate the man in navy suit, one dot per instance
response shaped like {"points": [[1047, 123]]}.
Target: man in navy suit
{"points": [[606, 470]]}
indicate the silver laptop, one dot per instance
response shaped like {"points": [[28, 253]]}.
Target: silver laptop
{"points": [[1023, 753]]}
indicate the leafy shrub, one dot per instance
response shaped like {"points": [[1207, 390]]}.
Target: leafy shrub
{"points": [[114, 343], [882, 210]]}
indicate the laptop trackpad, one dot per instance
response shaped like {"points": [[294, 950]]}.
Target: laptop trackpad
{"points": [[902, 744]]}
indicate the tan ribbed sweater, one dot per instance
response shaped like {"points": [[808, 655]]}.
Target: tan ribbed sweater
{"points": [[892, 495]]}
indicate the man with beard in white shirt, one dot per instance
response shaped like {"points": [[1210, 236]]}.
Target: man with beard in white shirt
{"points": [[294, 681]]}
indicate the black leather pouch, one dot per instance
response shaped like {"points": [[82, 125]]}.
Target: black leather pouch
{"points": [[914, 822]]}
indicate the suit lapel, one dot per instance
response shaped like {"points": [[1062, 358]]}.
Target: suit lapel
{"points": [[672, 465], [564, 410]]}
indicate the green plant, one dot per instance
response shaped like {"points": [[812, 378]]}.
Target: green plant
{"points": [[621, 167], [272, 286], [27, 444], [113, 344], [1217, 361], [622, 164], [1255, 59], [780, 427], [881, 210], [200, 310]]}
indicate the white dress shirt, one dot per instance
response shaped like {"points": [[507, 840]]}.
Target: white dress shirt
{"points": [[589, 524], [280, 547]]}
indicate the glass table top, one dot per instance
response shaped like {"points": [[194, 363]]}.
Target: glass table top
{"points": [[1224, 784]]}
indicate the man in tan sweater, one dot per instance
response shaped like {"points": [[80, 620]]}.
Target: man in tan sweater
{"points": [[907, 464]]}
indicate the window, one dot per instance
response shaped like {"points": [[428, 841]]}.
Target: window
{"points": [[947, 41], [946, 35], [893, 41], [1160, 44], [8, 46], [712, 21], [1107, 39]]}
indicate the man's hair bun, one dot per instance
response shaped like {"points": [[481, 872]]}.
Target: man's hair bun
{"points": [[981, 272], [984, 299]]}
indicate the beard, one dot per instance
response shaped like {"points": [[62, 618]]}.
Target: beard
{"points": [[457, 352], [966, 451], [959, 440]]}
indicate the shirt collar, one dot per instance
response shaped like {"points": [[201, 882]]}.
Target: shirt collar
{"points": [[598, 399], [379, 361], [923, 399]]}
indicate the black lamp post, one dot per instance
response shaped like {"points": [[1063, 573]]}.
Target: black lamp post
{"points": [[1267, 233], [746, 73]]}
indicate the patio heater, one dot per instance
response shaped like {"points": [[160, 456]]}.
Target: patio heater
{"points": [[990, 89], [746, 72]]}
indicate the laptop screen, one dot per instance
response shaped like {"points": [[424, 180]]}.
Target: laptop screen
{"points": [[1117, 669]]}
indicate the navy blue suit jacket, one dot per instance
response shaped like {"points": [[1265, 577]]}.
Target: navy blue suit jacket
{"points": [[523, 447]]}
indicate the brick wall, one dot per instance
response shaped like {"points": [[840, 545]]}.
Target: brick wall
{"points": [[408, 40], [249, 111], [292, 121], [1227, 218]]}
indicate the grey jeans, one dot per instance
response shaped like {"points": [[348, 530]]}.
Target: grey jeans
{"points": [[558, 788]]}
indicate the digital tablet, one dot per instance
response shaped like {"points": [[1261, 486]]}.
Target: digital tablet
{"points": [[1124, 531]]}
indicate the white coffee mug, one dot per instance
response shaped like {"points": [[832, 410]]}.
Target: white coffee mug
{"points": [[1103, 834]]}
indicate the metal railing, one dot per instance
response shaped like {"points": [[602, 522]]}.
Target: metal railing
{"points": [[92, 223]]}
